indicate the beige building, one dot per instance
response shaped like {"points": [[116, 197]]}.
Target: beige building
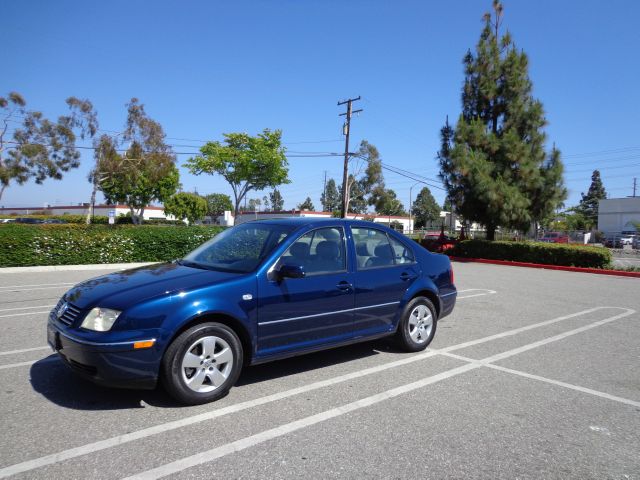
{"points": [[616, 215]]}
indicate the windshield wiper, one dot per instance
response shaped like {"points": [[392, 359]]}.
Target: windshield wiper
{"points": [[192, 264]]}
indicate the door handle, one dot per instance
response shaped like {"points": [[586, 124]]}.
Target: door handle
{"points": [[407, 276], [344, 286]]}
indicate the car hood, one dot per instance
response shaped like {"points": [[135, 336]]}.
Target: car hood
{"points": [[120, 290]]}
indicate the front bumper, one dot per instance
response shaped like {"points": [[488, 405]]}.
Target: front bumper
{"points": [[115, 364]]}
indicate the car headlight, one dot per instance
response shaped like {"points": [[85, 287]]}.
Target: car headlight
{"points": [[100, 319]]}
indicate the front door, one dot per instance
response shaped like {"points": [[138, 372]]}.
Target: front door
{"points": [[303, 313]]}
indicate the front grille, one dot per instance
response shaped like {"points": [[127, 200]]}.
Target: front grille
{"points": [[70, 315]]}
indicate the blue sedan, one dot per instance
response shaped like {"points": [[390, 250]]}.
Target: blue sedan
{"points": [[257, 292]]}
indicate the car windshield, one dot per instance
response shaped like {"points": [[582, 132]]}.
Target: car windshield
{"points": [[239, 249]]}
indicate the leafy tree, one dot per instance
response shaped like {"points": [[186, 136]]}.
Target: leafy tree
{"points": [[330, 198], [186, 206], [494, 163], [357, 202], [145, 173], [277, 202], [217, 204], [266, 203], [254, 204], [307, 205], [386, 203], [39, 148], [425, 209], [588, 205], [245, 162]]}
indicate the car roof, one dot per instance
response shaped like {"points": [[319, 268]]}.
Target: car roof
{"points": [[300, 221]]}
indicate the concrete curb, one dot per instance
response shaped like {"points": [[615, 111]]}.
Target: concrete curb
{"points": [[596, 271], [63, 268]]}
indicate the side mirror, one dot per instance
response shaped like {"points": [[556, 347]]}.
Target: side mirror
{"points": [[291, 271]]}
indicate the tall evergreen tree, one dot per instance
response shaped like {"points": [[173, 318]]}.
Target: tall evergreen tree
{"points": [[330, 198], [494, 163], [277, 202], [425, 209], [588, 205], [306, 205]]}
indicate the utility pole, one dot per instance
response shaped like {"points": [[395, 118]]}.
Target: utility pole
{"points": [[345, 132], [324, 191], [635, 181]]}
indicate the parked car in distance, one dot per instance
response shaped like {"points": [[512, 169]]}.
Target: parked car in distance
{"points": [[626, 238], [613, 242], [54, 221], [554, 237], [257, 292], [7, 220], [636, 242], [29, 220]]}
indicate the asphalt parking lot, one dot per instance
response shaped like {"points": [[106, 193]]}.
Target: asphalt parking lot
{"points": [[535, 375]]}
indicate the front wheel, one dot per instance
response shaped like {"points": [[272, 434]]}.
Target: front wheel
{"points": [[202, 363], [417, 325]]}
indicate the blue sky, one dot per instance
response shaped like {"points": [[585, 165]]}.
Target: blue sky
{"points": [[207, 67]]}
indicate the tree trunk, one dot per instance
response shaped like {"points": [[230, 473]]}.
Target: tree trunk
{"points": [[491, 232], [93, 201], [2, 190]]}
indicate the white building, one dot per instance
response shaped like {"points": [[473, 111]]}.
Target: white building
{"points": [[150, 212], [406, 222], [617, 215]]}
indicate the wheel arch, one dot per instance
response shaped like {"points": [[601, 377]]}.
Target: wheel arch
{"points": [[432, 296], [225, 319]]}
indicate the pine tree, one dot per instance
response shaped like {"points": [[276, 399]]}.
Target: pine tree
{"points": [[307, 205], [425, 209], [330, 198], [493, 163], [588, 205], [277, 202]]}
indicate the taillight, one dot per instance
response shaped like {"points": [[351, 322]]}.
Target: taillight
{"points": [[451, 273]]}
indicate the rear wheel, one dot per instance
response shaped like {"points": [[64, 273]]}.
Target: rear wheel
{"points": [[417, 325], [202, 363]]}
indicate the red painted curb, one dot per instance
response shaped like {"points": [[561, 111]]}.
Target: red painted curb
{"points": [[597, 271]]}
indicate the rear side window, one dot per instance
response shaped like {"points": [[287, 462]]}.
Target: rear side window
{"points": [[372, 248], [401, 253]]}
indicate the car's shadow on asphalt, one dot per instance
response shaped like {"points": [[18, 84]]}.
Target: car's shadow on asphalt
{"points": [[58, 384]]}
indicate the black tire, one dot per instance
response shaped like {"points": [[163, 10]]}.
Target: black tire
{"points": [[421, 338], [216, 347]]}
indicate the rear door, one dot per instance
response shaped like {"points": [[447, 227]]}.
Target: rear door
{"points": [[385, 269], [303, 313]]}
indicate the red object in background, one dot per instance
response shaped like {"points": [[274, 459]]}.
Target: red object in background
{"points": [[555, 237]]}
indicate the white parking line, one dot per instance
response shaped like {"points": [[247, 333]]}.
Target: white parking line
{"points": [[173, 425], [238, 445], [24, 350], [23, 314], [35, 285], [26, 308], [30, 362], [215, 453], [570, 386], [15, 290]]}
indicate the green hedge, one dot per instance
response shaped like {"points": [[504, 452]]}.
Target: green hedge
{"points": [[25, 245], [534, 252]]}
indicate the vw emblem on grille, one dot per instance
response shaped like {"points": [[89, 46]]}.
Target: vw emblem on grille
{"points": [[61, 311]]}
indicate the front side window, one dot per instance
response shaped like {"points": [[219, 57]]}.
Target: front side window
{"points": [[239, 249], [320, 251]]}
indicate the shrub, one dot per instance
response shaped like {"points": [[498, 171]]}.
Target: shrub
{"points": [[534, 252], [24, 245]]}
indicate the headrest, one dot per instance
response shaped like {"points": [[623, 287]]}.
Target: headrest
{"points": [[299, 250], [328, 250], [362, 249], [383, 250]]}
